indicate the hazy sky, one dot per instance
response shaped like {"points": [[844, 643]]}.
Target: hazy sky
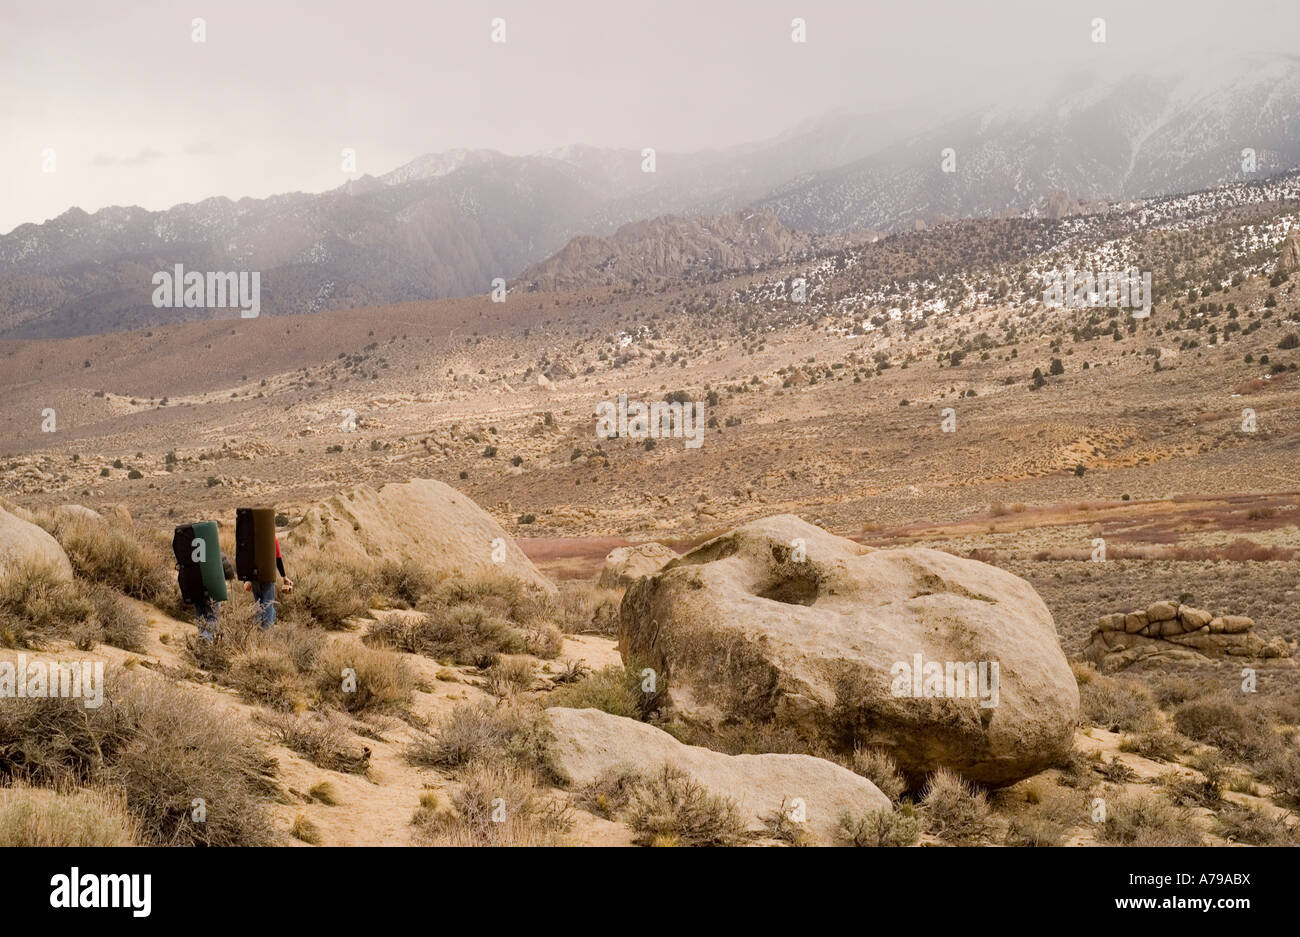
{"points": [[139, 114]]}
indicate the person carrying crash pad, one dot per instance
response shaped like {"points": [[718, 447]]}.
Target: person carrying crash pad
{"points": [[202, 572], [258, 559]]}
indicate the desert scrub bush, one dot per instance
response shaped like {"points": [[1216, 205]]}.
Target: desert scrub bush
{"points": [[1281, 771], [164, 746], [403, 583], [116, 621], [116, 556], [327, 592], [1049, 820], [31, 816], [496, 804], [1173, 689], [1156, 744], [509, 675], [358, 679], [506, 597], [610, 689], [1185, 791], [1231, 726], [954, 810], [305, 830], [37, 605], [1238, 824], [881, 770], [881, 828], [1116, 704], [783, 828], [485, 732], [273, 668], [462, 634], [324, 792], [608, 795], [584, 608], [1143, 819], [670, 807], [321, 738], [1079, 771]]}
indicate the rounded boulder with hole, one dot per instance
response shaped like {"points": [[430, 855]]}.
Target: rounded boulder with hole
{"points": [[940, 661]]}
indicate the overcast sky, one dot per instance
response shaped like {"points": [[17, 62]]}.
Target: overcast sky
{"points": [[139, 114]]}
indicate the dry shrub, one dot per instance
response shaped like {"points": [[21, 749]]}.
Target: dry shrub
{"points": [[585, 608], [506, 597], [496, 804], [1239, 551], [881, 770], [484, 732], [1281, 770], [954, 810], [511, 675], [327, 592], [78, 817], [1232, 726], [305, 830], [321, 738], [115, 555], [162, 745], [116, 620], [1119, 705], [881, 828], [608, 795], [1142, 819], [1239, 824], [1173, 689], [275, 667], [464, 634], [671, 808], [404, 583], [610, 689], [1157, 744], [1049, 821], [383, 681], [36, 605]]}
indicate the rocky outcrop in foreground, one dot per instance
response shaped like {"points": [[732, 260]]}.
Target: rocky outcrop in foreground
{"points": [[590, 743], [22, 542], [939, 660], [1168, 632], [423, 521]]}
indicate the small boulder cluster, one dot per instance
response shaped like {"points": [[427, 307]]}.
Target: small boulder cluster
{"points": [[1169, 632]]}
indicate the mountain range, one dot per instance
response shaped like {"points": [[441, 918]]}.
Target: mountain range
{"points": [[448, 224]]}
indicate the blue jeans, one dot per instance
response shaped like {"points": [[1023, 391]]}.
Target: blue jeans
{"points": [[264, 595]]}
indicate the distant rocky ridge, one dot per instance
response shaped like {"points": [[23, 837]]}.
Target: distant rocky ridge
{"points": [[645, 253]]}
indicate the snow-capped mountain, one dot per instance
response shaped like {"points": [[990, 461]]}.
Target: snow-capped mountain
{"points": [[447, 224]]}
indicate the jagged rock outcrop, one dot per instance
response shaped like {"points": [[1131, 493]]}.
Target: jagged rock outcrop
{"points": [[1166, 631], [645, 252]]}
